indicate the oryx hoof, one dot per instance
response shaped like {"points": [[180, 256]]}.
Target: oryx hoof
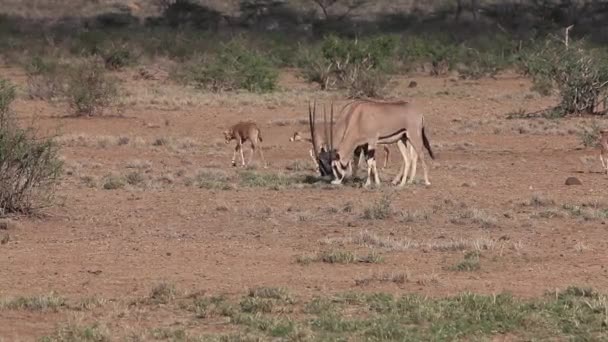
{"points": [[427, 183], [336, 182]]}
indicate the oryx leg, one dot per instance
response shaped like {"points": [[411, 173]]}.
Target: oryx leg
{"points": [[359, 151], [402, 174], [375, 169], [240, 145], [604, 163], [415, 139], [370, 163], [386, 156], [414, 157], [236, 150]]}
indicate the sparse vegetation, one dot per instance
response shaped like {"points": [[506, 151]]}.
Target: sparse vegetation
{"points": [[80, 333], [273, 312], [340, 257], [50, 302]]}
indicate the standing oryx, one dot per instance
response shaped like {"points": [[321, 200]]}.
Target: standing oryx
{"points": [[369, 123]]}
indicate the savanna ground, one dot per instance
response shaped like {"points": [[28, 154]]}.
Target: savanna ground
{"points": [[154, 236]]}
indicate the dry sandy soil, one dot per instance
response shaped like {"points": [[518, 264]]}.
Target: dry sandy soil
{"points": [[497, 187]]}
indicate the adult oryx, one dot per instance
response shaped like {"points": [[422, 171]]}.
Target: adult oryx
{"points": [[369, 123]]}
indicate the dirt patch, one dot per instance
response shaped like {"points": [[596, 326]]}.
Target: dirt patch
{"points": [[164, 223]]}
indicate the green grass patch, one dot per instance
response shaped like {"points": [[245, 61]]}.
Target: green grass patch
{"points": [[48, 302]]}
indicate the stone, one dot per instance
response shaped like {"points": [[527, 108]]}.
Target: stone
{"points": [[573, 181]]}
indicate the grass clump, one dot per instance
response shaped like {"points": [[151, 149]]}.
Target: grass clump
{"points": [[29, 166], [135, 178], [90, 91], [50, 302], [112, 182], [206, 307], [163, 293], [254, 179], [213, 180], [379, 210], [469, 263], [340, 257], [78, 333]]}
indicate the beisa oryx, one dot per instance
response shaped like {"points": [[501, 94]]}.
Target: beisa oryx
{"points": [[367, 124]]}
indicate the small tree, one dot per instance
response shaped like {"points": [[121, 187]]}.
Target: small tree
{"points": [[579, 74], [360, 66], [90, 91], [29, 166]]}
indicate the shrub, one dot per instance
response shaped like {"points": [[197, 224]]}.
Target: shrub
{"points": [[236, 67], [118, 57], [90, 91], [357, 65], [44, 78], [589, 135], [29, 166], [580, 74]]}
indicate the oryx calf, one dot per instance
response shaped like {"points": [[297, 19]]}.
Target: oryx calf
{"points": [[242, 132], [604, 149], [373, 123]]}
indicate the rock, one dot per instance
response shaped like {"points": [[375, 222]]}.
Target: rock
{"points": [[7, 224], [573, 181], [413, 84], [4, 238]]}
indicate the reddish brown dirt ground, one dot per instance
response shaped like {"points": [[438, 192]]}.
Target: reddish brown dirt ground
{"points": [[119, 243]]}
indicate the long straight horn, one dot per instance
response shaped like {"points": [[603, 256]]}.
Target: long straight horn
{"points": [[331, 128], [325, 127], [311, 123]]}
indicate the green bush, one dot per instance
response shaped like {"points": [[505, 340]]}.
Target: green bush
{"points": [[580, 74], [235, 67], [90, 91], [360, 66], [29, 166]]}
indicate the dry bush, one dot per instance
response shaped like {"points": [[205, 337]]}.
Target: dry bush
{"points": [[29, 166], [90, 90], [580, 75]]}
